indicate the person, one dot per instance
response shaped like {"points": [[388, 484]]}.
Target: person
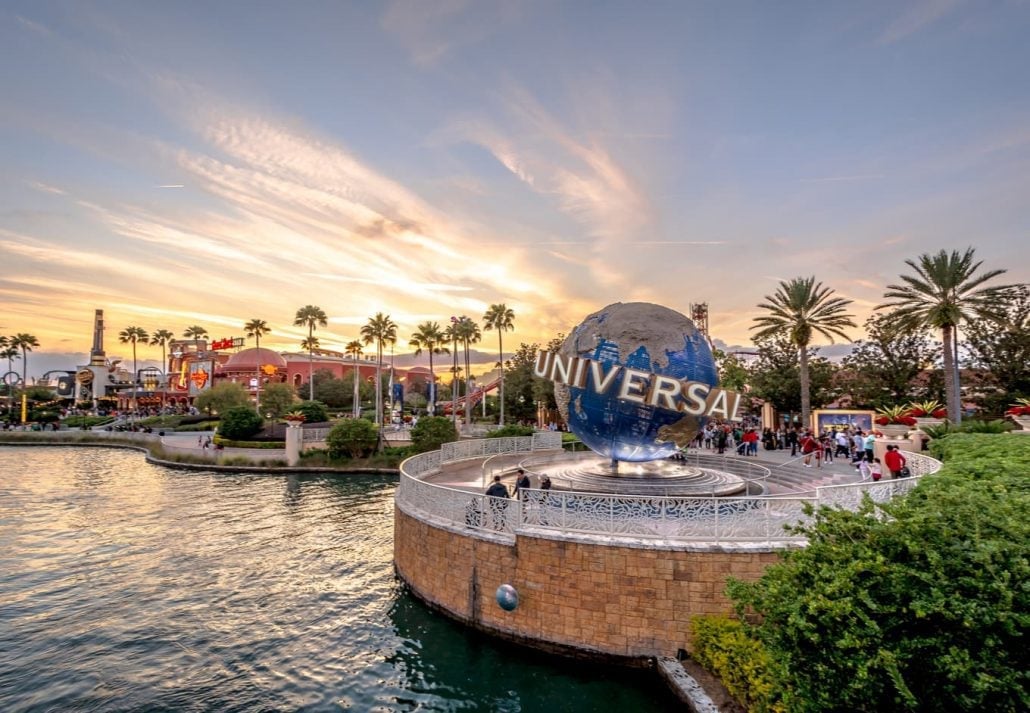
{"points": [[826, 443], [721, 440], [521, 483], [498, 493], [894, 461], [876, 470], [808, 446], [792, 441], [841, 439], [545, 482], [870, 442], [866, 470], [858, 446]]}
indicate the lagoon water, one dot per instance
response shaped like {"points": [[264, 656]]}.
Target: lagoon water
{"points": [[126, 586]]}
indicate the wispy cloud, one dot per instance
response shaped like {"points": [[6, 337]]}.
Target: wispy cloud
{"points": [[832, 179], [917, 16]]}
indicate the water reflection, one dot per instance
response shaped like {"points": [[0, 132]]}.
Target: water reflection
{"points": [[131, 587]]}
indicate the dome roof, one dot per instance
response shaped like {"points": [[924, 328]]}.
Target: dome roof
{"points": [[253, 358]]}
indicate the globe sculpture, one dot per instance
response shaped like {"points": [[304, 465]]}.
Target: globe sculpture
{"points": [[643, 337]]}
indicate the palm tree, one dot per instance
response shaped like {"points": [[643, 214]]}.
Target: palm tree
{"points": [[430, 337], [195, 333], [453, 335], [132, 335], [257, 328], [354, 350], [380, 330], [468, 334], [311, 317], [502, 318], [798, 308], [24, 342], [944, 292], [162, 338], [10, 353]]}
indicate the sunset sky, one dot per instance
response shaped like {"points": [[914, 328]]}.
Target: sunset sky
{"points": [[183, 163]]}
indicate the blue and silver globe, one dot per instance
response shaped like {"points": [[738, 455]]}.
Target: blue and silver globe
{"points": [[507, 597], [642, 336]]}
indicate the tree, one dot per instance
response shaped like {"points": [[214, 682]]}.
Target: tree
{"points": [[132, 335], [432, 432], [311, 317], [257, 328], [10, 353], [502, 318], [24, 342], [380, 330], [733, 372], [240, 423], [353, 437], [162, 338], [431, 338], [329, 390], [918, 604], [468, 333], [453, 335], [798, 308], [944, 293], [354, 350], [881, 370], [1002, 346], [222, 397], [278, 400], [776, 375], [314, 411], [195, 333]]}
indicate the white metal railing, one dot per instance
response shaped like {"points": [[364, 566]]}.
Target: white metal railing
{"points": [[753, 519]]}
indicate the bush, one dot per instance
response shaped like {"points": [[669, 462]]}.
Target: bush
{"points": [[510, 430], [919, 604], [266, 445], [740, 661], [240, 423], [432, 432], [314, 411], [353, 437]]}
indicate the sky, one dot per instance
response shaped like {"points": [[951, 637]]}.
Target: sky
{"points": [[209, 163]]}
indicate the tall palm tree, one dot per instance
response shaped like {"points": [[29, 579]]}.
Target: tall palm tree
{"points": [[10, 353], [24, 342], [195, 333], [133, 335], [257, 328], [380, 330], [502, 318], [944, 292], [430, 337], [354, 350], [453, 335], [798, 308], [162, 338], [311, 317], [468, 334]]}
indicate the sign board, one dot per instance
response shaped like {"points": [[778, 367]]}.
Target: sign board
{"points": [[228, 343], [200, 377], [840, 419]]}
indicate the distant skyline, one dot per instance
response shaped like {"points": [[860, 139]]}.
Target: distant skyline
{"points": [[209, 163]]}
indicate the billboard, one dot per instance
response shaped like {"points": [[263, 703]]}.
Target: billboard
{"points": [[201, 374], [840, 419]]}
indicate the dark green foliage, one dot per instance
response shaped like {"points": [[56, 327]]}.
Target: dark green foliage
{"points": [[511, 429], [240, 423], [314, 411], [432, 432], [352, 437], [776, 376], [920, 604]]}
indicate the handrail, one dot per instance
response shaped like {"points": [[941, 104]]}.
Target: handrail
{"points": [[708, 519]]}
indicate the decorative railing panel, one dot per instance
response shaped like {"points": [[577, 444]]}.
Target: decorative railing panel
{"points": [[684, 519]]}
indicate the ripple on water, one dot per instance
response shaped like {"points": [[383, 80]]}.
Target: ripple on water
{"points": [[129, 586]]}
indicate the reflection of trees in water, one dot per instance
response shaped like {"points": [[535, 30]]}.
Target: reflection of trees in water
{"points": [[438, 656]]}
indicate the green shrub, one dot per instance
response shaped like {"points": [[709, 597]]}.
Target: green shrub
{"points": [[510, 430], [87, 421], [207, 425], [352, 437], [432, 432], [919, 604], [240, 423], [741, 662], [265, 445], [314, 411]]}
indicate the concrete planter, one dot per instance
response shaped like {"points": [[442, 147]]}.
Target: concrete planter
{"points": [[894, 430]]}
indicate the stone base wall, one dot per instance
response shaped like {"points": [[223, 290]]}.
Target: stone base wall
{"points": [[592, 598]]}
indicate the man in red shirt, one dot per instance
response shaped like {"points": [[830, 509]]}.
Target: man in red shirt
{"points": [[894, 461], [808, 446]]}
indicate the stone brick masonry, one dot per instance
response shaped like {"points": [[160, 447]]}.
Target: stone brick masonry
{"points": [[596, 598]]}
